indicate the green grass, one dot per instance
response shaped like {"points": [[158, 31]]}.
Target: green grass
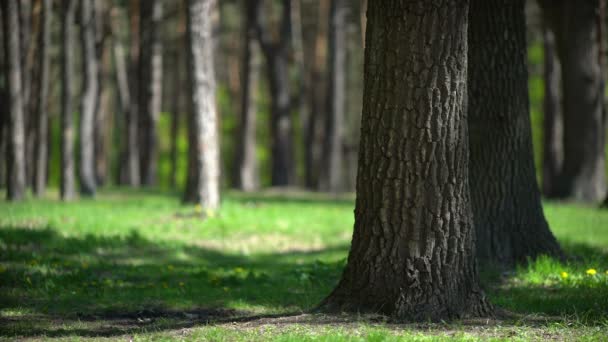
{"points": [[138, 263]]}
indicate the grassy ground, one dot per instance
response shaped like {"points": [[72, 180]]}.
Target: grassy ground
{"points": [[140, 264]]}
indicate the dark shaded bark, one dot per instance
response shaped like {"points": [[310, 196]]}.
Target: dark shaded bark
{"points": [[103, 115], [67, 180], [27, 52], [88, 99], [124, 170], [553, 149], [333, 156], [44, 41], [583, 175], [412, 255], [276, 55], [132, 151], [246, 175], [150, 88], [13, 79], [204, 164], [509, 220]]}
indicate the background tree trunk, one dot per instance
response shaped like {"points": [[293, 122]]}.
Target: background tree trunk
{"points": [[44, 41], [88, 100], [412, 253], [203, 182], [276, 54], [509, 219], [553, 148], [132, 122], [150, 88], [103, 116], [583, 175], [336, 99], [68, 187], [175, 115], [246, 165], [13, 78]]}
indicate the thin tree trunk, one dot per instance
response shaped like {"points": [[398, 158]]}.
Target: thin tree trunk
{"points": [[132, 119], [333, 155], [276, 53], [44, 41], [245, 164], [583, 175], [27, 49], [175, 117], [150, 88], [509, 219], [102, 111], [68, 187], [124, 101], [203, 182], [88, 99], [16, 139], [553, 149], [412, 255]]}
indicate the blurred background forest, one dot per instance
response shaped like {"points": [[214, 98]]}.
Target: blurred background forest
{"points": [[310, 121]]}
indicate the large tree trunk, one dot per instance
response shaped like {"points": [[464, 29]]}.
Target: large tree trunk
{"points": [[68, 187], [333, 155], [509, 219], [44, 41], [150, 88], [246, 164], [412, 254], [276, 53], [553, 148], [583, 176], [88, 99], [203, 181], [16, 139]]}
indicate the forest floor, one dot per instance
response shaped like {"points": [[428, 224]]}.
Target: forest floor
{"points": [[140, 265]]}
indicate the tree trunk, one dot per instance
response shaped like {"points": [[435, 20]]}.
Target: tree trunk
{"points": [[44, 41], [67, 116], [336, 100], [553, 149], [583, 176], [88, 99], [412, 255], [124, 101], [276, 54], [132, 122], [245, 164], [16, 139], [509, 220], [175, 116], [102, 104], [150, 88], [27, 49], [203, 182]]}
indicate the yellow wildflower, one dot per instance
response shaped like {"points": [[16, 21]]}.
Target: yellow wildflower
{"points": [[591, 271], [564, 275]]}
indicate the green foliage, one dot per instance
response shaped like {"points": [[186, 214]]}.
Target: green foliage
{"points": [[138, 262]]}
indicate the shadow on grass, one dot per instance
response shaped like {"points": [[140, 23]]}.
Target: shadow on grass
{"points": [[56, 285]]}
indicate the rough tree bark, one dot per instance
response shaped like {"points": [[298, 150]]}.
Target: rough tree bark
{"points": [[16, 136], [412, 255], [246, 165], [68, 187], [333, 173], [276, 54], [509, 220], [44, 41], [203, 182], [88, 99], [150, 87], [553, 149], [583, 176]]}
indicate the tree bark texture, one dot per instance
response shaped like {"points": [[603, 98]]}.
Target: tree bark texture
{"points": [[553, 148], [88, 99], [13, 78], [509, 220], [246, 174], [44, 41], [333, 154], [276, 54], [583, 175], [68, 187], [203, 182], [150, 88], [412, 254]]}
